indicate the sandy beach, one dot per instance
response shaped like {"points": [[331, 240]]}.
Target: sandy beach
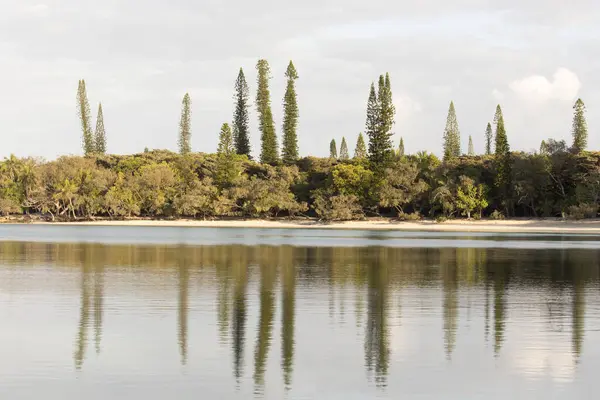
{"points": [[506, 226]]}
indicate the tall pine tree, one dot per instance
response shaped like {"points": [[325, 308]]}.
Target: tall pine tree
{"points": [[344, 155], [471, 149], [580, 129], [488, 139], [333, 150], [185, 125], [269, 153], [451, 135], [241, 130], [85, 116], [100, 136], [360, 151], [290, 117], [380, 121], [503, 159]]}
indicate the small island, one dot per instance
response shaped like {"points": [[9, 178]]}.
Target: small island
{"points": [[376, 187]]}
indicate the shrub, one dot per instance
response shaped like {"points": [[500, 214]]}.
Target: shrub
{"points": [[583, 211], [497, 215]]}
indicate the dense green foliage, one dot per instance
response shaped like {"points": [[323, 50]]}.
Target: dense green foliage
{"points": [[269, 153], [185, 125], [241, 130], [451, 135], [159, 184], [290, 117], [100, 134], [85, 116]]}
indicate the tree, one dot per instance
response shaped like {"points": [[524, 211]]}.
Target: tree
{"points": [[488, 139], [241, 130], [360, 151], [332, 150], [185, 125], [401, 186], [380, 120], [470, 197], [543, 147], [269, 153], [551, 146], [401, 148], [227, 166], [451, 135], [579, 130], [344, 155], [503, 159], [290, 117], [226, 142], [471, 149], [100, 139], [85, 116]]}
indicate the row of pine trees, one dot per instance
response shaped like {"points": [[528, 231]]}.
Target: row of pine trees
{"points": [[380, 119]]}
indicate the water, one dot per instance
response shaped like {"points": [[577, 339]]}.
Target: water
{"points": [[155, 313]]}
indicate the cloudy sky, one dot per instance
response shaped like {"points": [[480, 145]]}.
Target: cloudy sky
{"points": [[140, 57]]}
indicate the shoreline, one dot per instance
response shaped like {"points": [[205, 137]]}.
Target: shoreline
{"points": [[491, 226]]}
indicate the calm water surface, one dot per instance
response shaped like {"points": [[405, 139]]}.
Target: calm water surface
{"points": [[187, 313]]}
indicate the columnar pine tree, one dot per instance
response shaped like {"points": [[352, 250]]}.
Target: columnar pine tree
{"points": [[290, 117], [269, 153], [451, 135], [386, 106], [185, 125], [226, 165], [579, 130], [471, 149], [100, 137], [226, 141], [380, 120], [241, 130], [360, 151], [401, 148], [85, 116], [333, 150], [488, 139], [344, 155], [502, 158]]}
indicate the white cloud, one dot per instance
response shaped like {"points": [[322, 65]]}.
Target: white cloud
{"points": [[564, 86]]}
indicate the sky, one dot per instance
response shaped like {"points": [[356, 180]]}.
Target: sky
{"points": [[138, 58]]}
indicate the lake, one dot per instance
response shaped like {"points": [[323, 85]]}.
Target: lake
{"points": [[90, 312]]}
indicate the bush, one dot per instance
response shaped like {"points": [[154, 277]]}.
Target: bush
{"points": [[337, 208], [402, 216], [583, 211], [497, 215]]}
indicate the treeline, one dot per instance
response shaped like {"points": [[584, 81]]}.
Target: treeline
{"points": [[163, 184], [379, 179]]}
